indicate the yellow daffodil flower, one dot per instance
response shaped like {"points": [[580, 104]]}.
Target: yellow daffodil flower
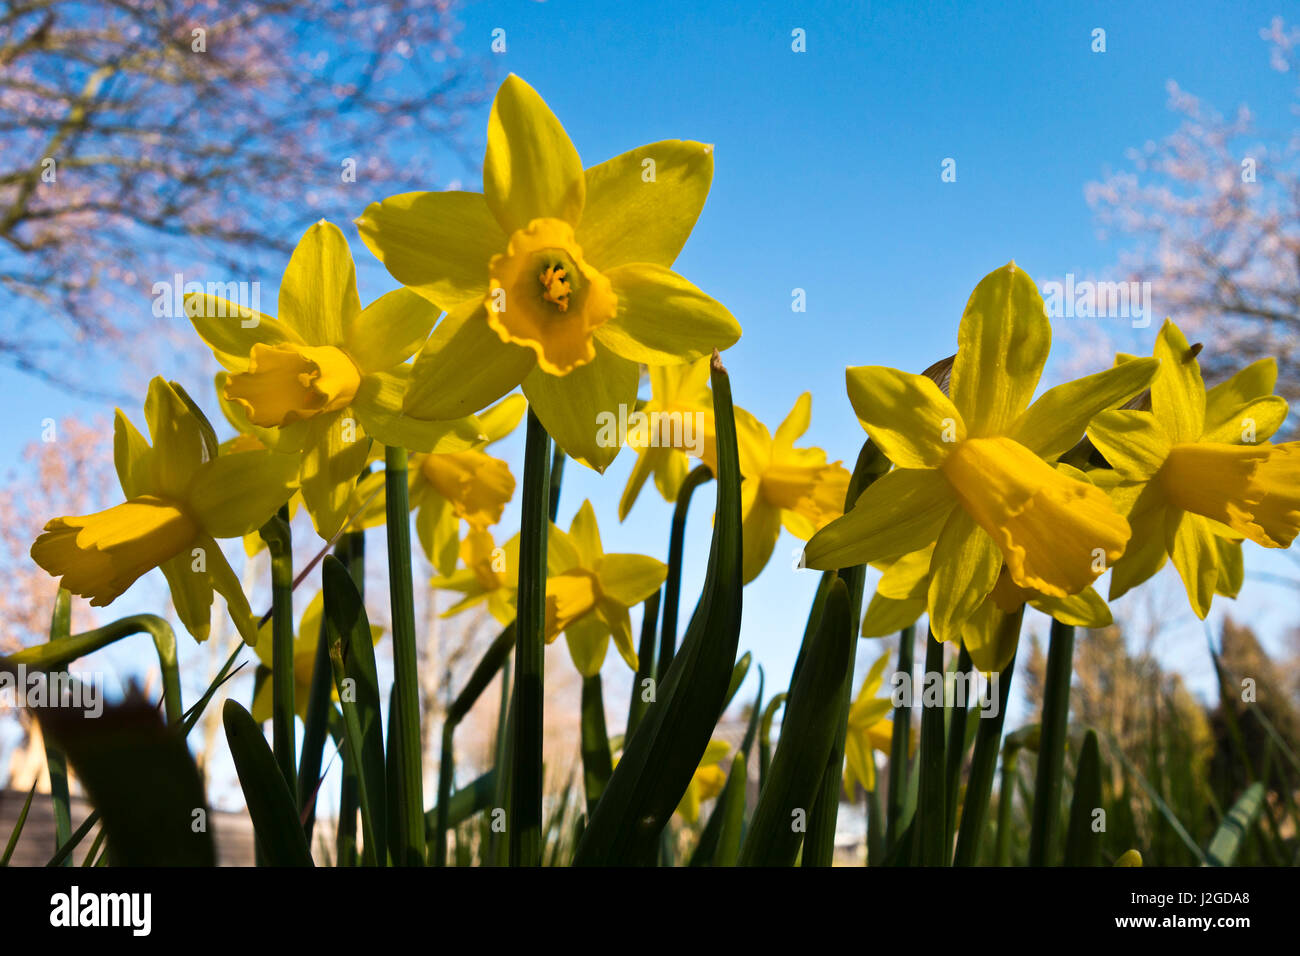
{"points": [[781, 484], [179, 497], [304, 660], [974, 472], [490, 575], [680, 403], [589, 592], [870, 729], [1190, 474], [553, 277], [904, 588], [446, 488], [326, 376], [707, 781]]}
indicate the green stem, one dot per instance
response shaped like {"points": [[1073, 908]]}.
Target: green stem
{"points": [[1006, 794], [557, 472], [979, 786], [525, 824], [900, 745], [277, 537], [673, 587], [875, 827], [932, 814], [597, 765], [410, 764], [645, 662], [1046, 815], [55, 759], [493, 660], [956, 747], [350, 786]]}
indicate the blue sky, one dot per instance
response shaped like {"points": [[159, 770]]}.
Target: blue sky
{"points": [[828, 179]]}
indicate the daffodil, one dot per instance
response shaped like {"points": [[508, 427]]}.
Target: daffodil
{"points": [[680, 410], [707, 781], [326, 376], [781, 484], [180, 495], [974, 471], [446, 488], [304, 660], [903, 591], [1191, 473], [870, 729], [589, 592], [552, 277], [490, 575]]}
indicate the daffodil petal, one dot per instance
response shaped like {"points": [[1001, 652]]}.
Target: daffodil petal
{"points": [[573, 407], [531, 169], [1085, 609], [231, 330], [901, 512], [585, 535], [1002, 343], [588, 641], [1054, 424], [1256, 380], [191, 590], [907, 578], [620, 628], [131, 457], [663, 319], [464, 367], [1232, 571], [178, 448], [646, 460], [1249, 423], [642, 205], [1134, 442], [992, 636], [963, 571], [236, 494], [906, 415], [437, 244], [887, 616], [759, 531], [1192, 548], [389, 330], [1178, 392], [378, 407], [318, 293], [796, 423], [331, 463], [503, 418], [630, 578], [1146, 552]]}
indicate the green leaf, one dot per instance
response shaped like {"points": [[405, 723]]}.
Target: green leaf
{"points": [[807, 736], [18, 828], [732, 806], [1232, 832], [1082, 844], [662, 756], [141, 778], [346, 634], [930, 824], [271, 806]]}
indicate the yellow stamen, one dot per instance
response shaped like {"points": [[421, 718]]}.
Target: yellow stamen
{"points": [[555, 289]]}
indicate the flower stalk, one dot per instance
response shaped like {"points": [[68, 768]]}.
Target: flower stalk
{"points": [[1046, 814]]}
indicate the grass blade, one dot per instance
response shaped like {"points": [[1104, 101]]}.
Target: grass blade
{"points": [[270, 803]]}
